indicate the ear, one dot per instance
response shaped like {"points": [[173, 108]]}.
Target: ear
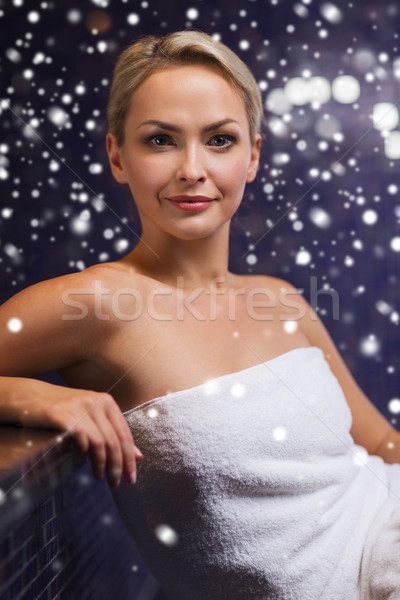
{"points": [[115, 158], [255, 159]]}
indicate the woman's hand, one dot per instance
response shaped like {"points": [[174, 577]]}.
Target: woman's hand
{"points": [[93, 418]]}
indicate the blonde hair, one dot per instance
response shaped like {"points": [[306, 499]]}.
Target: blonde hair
{"points": [[152, 53]]}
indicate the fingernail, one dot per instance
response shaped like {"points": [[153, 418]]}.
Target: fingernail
{"points": [[116, 482], [132, 477], [138, 451]]}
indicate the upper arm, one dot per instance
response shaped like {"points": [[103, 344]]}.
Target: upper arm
{"points": [[369, 427], [47, 339]]}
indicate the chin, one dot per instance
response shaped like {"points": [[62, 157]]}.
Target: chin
{"points": [[188, 236], [197, 231]]}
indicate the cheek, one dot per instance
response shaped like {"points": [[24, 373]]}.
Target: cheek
{"points": [[141, 177], [233, 174], [150, 173]]}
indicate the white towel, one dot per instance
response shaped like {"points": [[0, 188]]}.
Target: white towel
{"points": [[251, 487]]}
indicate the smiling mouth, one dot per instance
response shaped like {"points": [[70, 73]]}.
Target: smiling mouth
{"points": [[191, 203], [190, 199]]}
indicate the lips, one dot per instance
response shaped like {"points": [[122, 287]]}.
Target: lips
{"points": [[191, 203], [190, 199]]}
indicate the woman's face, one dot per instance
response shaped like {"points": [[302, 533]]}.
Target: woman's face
{"points": [[186, 136]]}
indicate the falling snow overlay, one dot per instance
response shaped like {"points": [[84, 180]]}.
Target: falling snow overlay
{"points": [[324, 211]]}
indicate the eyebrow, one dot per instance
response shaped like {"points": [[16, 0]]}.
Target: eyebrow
{"points": [[171, 127]]}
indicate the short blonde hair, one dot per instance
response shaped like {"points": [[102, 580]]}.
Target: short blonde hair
{"points": [[152, 53]]}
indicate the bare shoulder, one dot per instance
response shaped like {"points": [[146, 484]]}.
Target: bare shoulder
{"points": [[265, 282], [48, 298], [36, 337], [117, 275], [53, 324], [274, 293]]}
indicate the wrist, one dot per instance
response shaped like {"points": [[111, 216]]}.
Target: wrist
{"points": [[16, 397], [11, 400]]}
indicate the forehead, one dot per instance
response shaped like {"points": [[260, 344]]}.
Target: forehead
{"points": [[187, 91]]}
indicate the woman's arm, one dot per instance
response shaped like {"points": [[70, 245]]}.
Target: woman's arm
{"points": [[36, 338], [370, 428]]}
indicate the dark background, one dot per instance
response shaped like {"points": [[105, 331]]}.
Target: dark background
{"points": [[61, 211]]}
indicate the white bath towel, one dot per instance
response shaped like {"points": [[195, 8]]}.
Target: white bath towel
{"points": [[251, 487]]}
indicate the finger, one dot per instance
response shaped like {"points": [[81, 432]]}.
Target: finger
{"points": [[138, 453], [90, 444], [130, 452], [93, 437], [98, 455], [81, 440], [113, 451]]}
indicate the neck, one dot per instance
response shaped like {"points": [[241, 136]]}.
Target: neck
{"points": [[196, 262]]}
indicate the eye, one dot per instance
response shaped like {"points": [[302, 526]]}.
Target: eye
{"points": [[160, 140], [222, 141]]}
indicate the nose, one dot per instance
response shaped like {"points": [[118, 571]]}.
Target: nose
{"points": [[191, 167]]}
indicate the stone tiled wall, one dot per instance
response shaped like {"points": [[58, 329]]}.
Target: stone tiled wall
{"points": [[69, 543]]}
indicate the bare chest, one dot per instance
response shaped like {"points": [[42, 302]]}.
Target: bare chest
{"points": [[175, 345]]}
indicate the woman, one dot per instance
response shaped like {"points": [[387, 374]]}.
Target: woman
{"points": [[250, 484]]}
